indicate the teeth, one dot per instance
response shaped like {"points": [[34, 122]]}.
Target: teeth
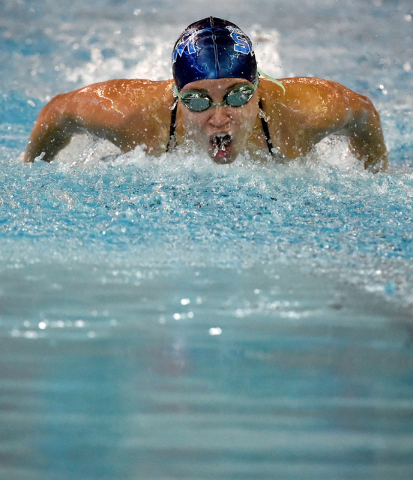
{"points": [[220, 141]]}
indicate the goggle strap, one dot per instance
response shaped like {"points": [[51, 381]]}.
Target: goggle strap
{"points": [[268, 77]]}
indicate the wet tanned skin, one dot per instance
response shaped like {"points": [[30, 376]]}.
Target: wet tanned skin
{"points": [[138, 112]]}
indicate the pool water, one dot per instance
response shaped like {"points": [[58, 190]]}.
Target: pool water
{"points": [[170, 318]]}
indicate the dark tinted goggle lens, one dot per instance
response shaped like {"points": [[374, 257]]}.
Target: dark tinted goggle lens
{"points": [[237, 97], [196, 103]]}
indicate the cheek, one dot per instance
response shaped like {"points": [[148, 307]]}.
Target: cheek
{"points": [[194, 123], [246, 117]]}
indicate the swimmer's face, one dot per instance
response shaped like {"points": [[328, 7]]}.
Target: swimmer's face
{"points": [[221, 130]]}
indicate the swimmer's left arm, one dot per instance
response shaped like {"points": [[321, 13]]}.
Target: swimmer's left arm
{"points": [[365, 134], [312, 109], [354, 116]]}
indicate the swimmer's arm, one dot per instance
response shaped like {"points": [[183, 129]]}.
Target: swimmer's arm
{"points": [[125, 112], [52, 130], [313, 109], [365, 135], [64, 116], [354, 116]]}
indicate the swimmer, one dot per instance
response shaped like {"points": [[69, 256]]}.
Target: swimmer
{"points": [[216, 101]]}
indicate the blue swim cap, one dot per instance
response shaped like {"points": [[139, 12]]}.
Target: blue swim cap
{"points": [[213, 48]]}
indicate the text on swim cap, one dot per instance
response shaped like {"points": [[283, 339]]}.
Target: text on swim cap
{"points": [[188, 43], [242, 43]]}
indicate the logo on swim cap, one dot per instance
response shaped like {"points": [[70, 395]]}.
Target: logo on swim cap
{"points": [[187, 42], [242, 42], [213, 48]]}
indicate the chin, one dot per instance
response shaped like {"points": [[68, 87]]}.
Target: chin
{"points": [[222, 160]]}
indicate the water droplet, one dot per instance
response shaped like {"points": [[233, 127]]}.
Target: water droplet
{"points": [[390, 287]]}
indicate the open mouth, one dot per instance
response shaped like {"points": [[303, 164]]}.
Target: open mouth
{"points": [[221, 144]]}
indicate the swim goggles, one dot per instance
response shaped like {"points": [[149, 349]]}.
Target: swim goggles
{"points": [[237, 96]]}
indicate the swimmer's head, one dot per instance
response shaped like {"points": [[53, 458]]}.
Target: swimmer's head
{"points": [[210, 49]]}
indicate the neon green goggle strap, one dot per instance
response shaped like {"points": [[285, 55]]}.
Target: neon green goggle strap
{"points": [[277, 82]]}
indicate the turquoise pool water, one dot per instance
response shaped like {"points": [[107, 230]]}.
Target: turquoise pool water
{"points": [[170, 318]]}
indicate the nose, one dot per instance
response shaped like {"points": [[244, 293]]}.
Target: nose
{"points": [[219, 116]]}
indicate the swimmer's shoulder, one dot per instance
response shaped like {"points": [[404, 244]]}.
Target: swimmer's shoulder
{"points": [[133, 90], [119, 100], [300, 89], [310, 92], [307, 101]]}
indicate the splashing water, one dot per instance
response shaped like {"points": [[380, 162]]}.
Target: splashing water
{"points": [[173, 318]]}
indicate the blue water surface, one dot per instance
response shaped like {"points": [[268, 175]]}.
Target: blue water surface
{"points": [[171, 318]]}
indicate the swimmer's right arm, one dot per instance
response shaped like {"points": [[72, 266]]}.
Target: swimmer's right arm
{"points": [[125, 112], [52, 130], [83, 110]]}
